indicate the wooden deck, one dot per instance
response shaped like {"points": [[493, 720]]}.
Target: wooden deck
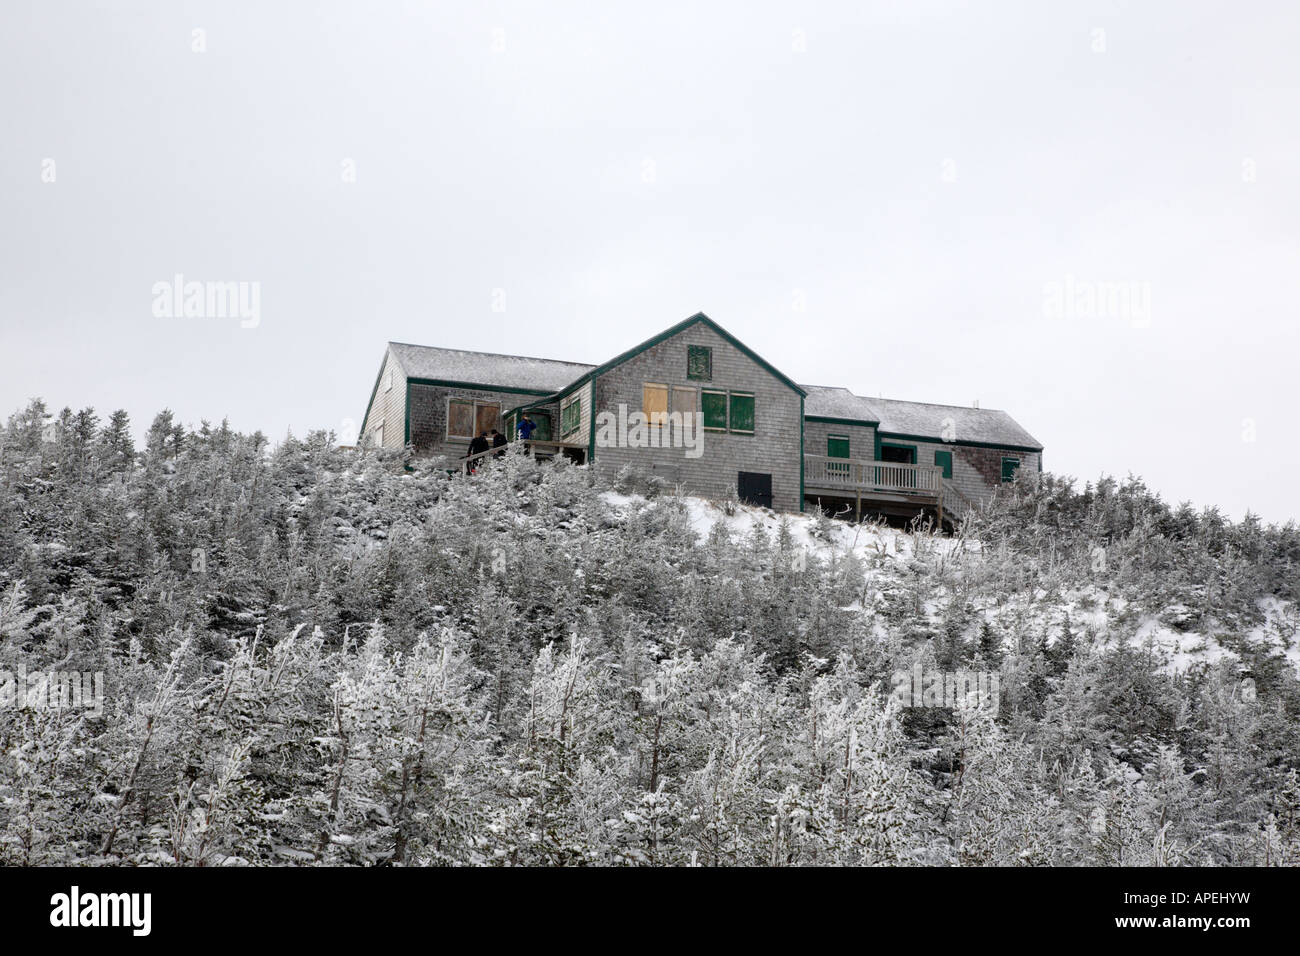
{"points": [[876, 482]]}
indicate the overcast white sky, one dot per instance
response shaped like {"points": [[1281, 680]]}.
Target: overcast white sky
{"points": [[876, 195]]}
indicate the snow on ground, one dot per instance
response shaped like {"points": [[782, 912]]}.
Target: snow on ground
{"points": [[1092, 609], [867, 540], [1180, 650], [1281, 628]]}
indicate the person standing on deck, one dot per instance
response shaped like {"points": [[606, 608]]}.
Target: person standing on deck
{"points": [[526, 427], [478, 445], [498, 441]]}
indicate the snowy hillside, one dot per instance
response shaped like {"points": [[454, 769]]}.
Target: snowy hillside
{"points": [[301, 655]]}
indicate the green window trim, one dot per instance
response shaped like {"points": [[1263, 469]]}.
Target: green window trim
{"points": [[944, 460], [894, 444], [571, 416], [699, 363]]}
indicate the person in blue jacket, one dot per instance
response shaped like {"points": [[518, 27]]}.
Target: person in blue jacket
{"points": [[526, 426]]}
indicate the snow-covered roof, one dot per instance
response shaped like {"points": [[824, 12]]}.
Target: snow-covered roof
{"points": [[485, 368], [989, 426], [984, 425], [830, 401]]}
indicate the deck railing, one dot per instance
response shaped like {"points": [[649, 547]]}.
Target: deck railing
{"points": [[854, 474], [533, 449]]}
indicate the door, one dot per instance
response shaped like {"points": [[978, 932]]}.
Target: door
{"points": [[754, 488], [944, 460], [837, 446], [904, 478]]}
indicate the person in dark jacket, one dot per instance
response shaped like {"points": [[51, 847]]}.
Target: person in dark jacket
{"points": [[526, 426], [479, 444], [498, 441]]}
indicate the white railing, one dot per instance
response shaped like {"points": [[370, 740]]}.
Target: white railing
{"points": [[853, 474]]}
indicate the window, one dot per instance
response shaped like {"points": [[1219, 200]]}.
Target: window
{"points": [[1009, 468], [571, 416], [699, 363], [742, 413], [379, 436], [900, 454], [714, 406], [727, 411], [467, 419], [654, 403], [685, 401], [542, 423], [388, 381], [486, 418], [460, 419], [944, 460]]}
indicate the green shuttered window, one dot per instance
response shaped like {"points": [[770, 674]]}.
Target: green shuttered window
{"points": [[742, 413], [714, 406], [727, 411], [699, 363], [571, 416]]}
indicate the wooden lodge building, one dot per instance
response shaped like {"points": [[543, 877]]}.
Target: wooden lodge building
{"points": [[765, 438]]}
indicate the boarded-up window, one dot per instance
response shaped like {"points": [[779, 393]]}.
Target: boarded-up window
{"points": [[714, 406], [742, 413], [486, 418], [654, 402], [379, 436], [460, 419], [468, 419], [684, 401], [699, 363]]}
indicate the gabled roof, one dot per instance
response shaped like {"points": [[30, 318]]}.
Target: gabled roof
{"points": [[505, 372], [698, 317], [977, 426]]}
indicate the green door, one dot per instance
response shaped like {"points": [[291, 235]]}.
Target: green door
{"points": [[837, 446], [944, 460]]}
